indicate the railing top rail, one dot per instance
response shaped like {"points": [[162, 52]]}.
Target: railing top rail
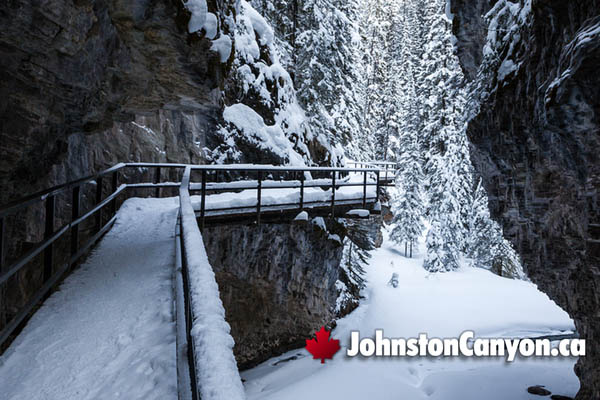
{"points": [[268, 168], [157, 165], [42, 195], [249, 167], [374, 164]]}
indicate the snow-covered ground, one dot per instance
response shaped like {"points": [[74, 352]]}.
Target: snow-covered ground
{"points": [[443, 305], [108, 333]]}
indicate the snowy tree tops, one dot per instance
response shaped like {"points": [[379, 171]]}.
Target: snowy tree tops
{"points": [[321, 47], [328, 70], [261, 111]]}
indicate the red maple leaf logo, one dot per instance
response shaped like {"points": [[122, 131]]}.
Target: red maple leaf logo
{"points": [[322, 347]]}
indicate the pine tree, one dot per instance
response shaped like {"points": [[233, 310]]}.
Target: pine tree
{"points": [[442, 254], [408, 205], [486, 245], [376, 35], [355, 257], [447, 165], [507, 262], [283, 17], [327, 76], [348, 115], [479, 246]]}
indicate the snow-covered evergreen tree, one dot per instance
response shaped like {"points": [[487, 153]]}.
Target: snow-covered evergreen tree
{"points": [[479, 247], [380, 80], [348, 112], [376, 33], [408, 204], [283, 17], [507, 262], [355, 257], [486, 245], [327, 76], [416, 110], [448, 165]]}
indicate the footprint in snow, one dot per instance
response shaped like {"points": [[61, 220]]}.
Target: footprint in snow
{"points": [[429, 390]]}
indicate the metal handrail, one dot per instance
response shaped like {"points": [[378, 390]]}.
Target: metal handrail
{"points": [[44, 194], [190, 354]]}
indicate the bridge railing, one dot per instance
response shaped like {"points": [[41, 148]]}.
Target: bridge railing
{"points": [[269, 179], [387, 169], [213, 179]]}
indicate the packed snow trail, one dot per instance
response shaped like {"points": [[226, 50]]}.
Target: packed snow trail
{"points": [[441, 305], [108, 333]]}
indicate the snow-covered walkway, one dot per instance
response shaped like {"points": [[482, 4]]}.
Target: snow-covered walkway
{"points": [[108, 333], [443, 305]]}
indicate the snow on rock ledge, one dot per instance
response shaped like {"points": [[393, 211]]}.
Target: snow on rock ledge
{"points": [[265, 137], [260, 91]]}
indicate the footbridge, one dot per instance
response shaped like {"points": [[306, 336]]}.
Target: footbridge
{"points": [[74, 216]]}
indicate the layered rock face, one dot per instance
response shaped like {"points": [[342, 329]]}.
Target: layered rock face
{"points": [[277, 284], [76, 75], [536, 142]]}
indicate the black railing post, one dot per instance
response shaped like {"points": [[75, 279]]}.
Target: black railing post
{"points": [[74, 216], [1, 244], [333, 195], [49, 231], [258, 203], [98, 201], [115, 187], [3, 320], [365, 191], [156, 182], [203, 200], [302, 178], [189, 318], [378, 185]]}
